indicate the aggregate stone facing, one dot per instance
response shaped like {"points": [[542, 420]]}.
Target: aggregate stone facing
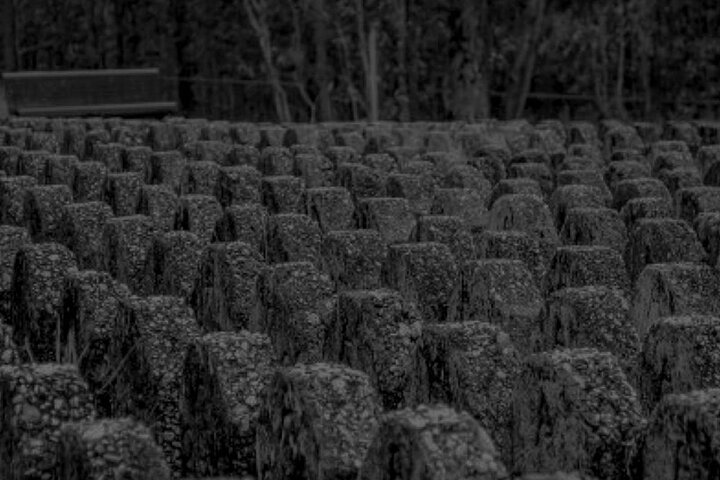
{"points": [[109, 448], [375, 331], [38, 282], [36, 399], [354, 258], [224, 376], [662, 240], [225, 293], [679, 355], [591, 316], [435, 440], [425, 273], [471, 366], [149, 341], [681, 439], [671, 289], [574, 408], [502, 292], [316, 421]]}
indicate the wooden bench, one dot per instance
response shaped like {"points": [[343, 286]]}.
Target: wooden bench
{"points": [[126, 92]]}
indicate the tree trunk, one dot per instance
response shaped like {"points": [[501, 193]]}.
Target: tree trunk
{"points": [[469, 76], [524, 68], [8, 36], [373, 80], [256, 11], [322, 76], [401, 94]]}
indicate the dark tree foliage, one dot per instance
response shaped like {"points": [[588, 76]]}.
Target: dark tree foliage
{"points": [[319, 60]]}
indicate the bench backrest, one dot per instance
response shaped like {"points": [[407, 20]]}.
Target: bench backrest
{"points": [[91, 91]]}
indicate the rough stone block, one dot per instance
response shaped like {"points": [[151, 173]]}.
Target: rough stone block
{"points": [[108, 448], [246, 155], [390, 216], [662, 240], [173, 264], [361, 180], [515, 186], [89, 180], [288, 288], [582, 265], [502, 292], [328, 411], [339, 155], [224, 376], [109, 154], [33, 163], [245, 133], [427, 274], [13, 193], [122, 192], [375, 331], [238, 185], [207, 151], [593, 178], [9, 157], [620, 170], [82, 229], [690, 202], [574, 409], [150, 339], [471, 366], [626, 190], [513, 245], [282, 194], [276, 161], [574, 196], [202, 178], [293, 238], [679, 443], [168, 168], [38, 282], [12, 238], [354, 258], [591, 317], [525, 213], [315, 170], [61, 170], [43, 211], [449, 230], [467, 204], [331, 207], [417, 189], [128, 244], [673, 289], [160, 204], [246, 223], [90, 304], [435, 440], [539, 172], [646, 207], [199, 214], [226, 292], [622, 137], [680, 178], [594, 226], [679, 355], [36, 399]]}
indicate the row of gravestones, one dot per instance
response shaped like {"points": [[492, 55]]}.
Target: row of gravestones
{"points": [[571, 266]]}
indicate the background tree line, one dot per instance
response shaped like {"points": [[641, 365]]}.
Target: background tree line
{"points": [[306, 60]]}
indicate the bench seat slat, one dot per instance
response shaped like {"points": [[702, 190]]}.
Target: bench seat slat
{"points": [[110, 108]]}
